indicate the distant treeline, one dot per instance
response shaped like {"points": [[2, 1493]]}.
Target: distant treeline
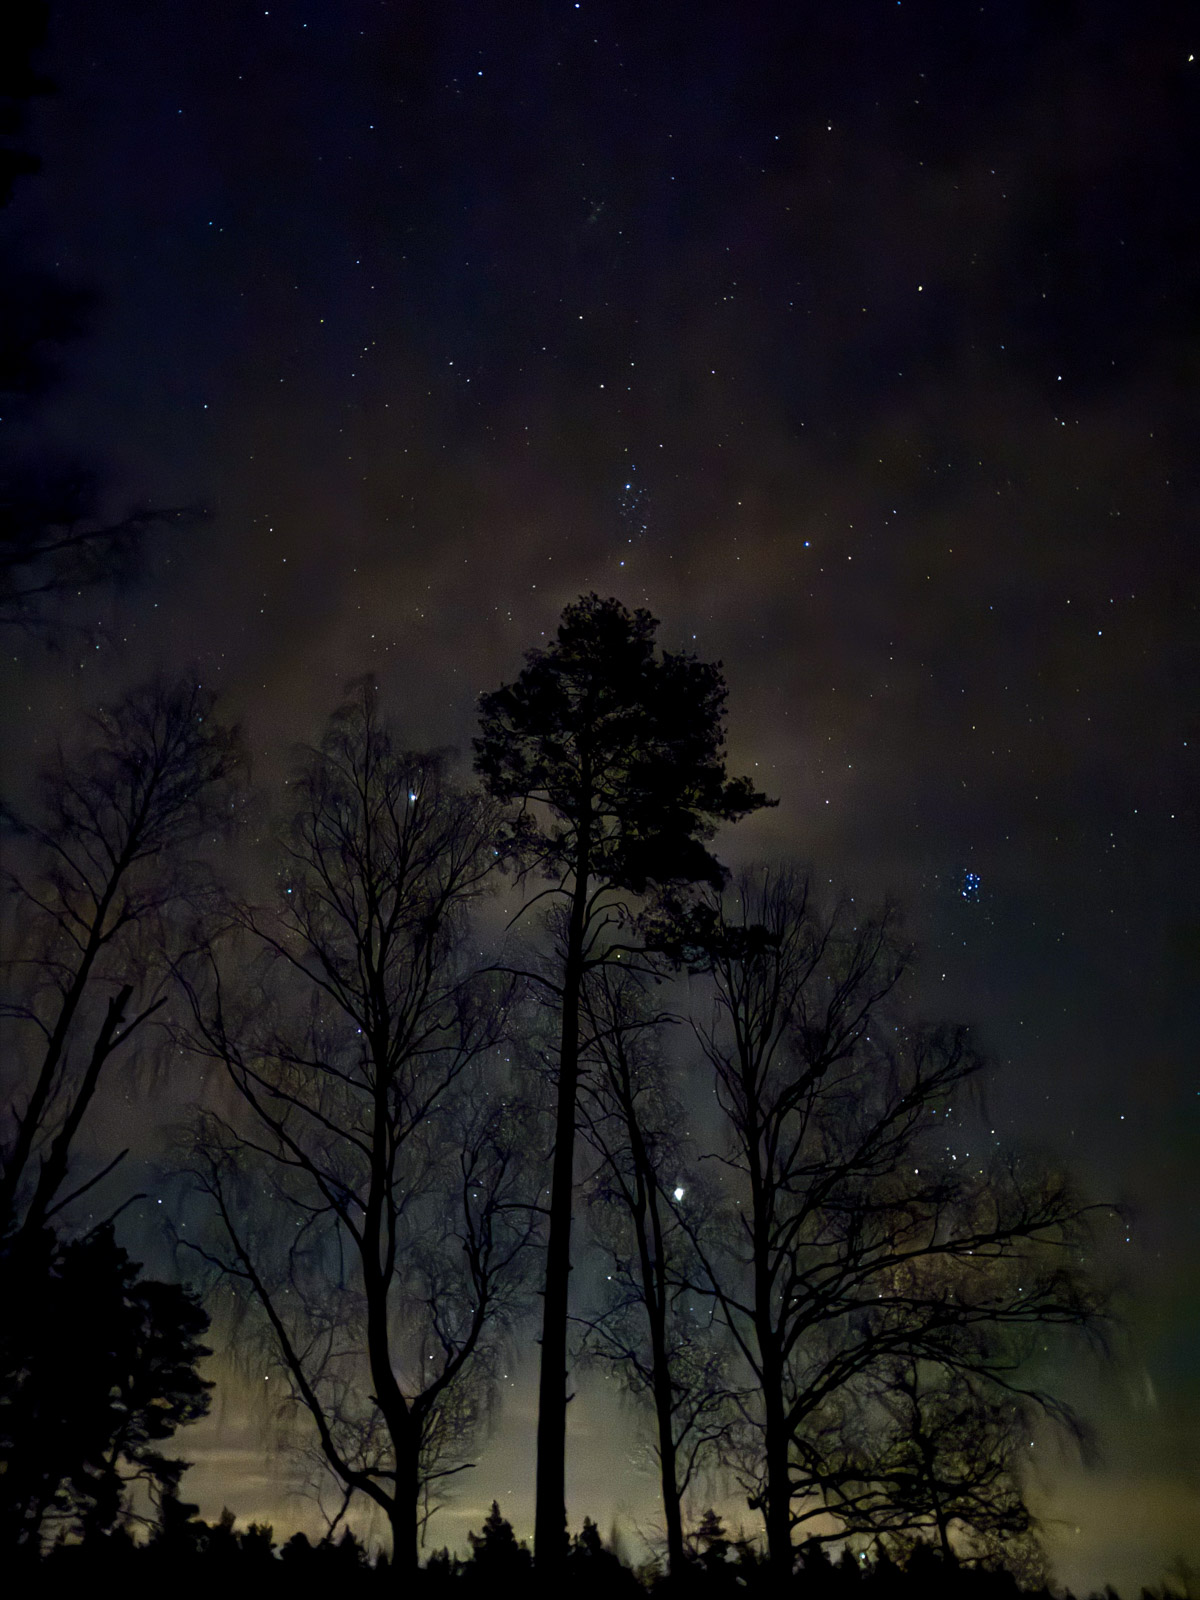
{"points": [[186, 1557]]}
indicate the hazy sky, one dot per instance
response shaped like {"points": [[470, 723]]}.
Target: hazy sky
{"points": [[859, 341]]}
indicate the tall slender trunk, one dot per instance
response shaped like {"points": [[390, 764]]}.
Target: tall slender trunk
{"points": [[668, 1467], [403, 1428], [778, 1509], [654, 1297], [550, 1520]]}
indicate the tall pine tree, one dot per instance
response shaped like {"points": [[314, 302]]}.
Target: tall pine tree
{"points": [[615, 752]]}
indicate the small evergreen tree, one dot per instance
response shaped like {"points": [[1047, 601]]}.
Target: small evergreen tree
{"points": [[496, 1550], [97, 1371]]}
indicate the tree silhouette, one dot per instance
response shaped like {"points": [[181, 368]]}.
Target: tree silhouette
{"points": [[112, 850], [928, 1452], [57, 539], [495, 1553], [856, 1237], [649, 1327], [615, 754], [366, 1185], [97, 1371]]}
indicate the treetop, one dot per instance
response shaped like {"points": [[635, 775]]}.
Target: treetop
{"points": [[623, 743]]}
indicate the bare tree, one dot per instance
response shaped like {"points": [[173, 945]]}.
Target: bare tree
{"points": [[366, 1180], [650, 1326], [858, 1235], [925, 1451], [102, 868]]}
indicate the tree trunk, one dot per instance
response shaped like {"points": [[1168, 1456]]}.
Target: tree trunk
{"points": [[778, 1508], [54, 1167], [403, 1429], [403, 1511], [941, 1520], [30, 1124], [655, 1300], [550, 1520], [672, 1511]]}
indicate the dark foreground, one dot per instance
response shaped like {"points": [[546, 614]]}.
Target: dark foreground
{"points": [[220, 1563]]}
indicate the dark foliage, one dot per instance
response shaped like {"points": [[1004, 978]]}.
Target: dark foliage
{"points": [[83, 1419], [622, 745]]}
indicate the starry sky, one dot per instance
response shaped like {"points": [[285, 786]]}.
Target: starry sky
{"points": [[860, 342]]}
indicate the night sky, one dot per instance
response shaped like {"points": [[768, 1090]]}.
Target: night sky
{"points": [[859, 341]]}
